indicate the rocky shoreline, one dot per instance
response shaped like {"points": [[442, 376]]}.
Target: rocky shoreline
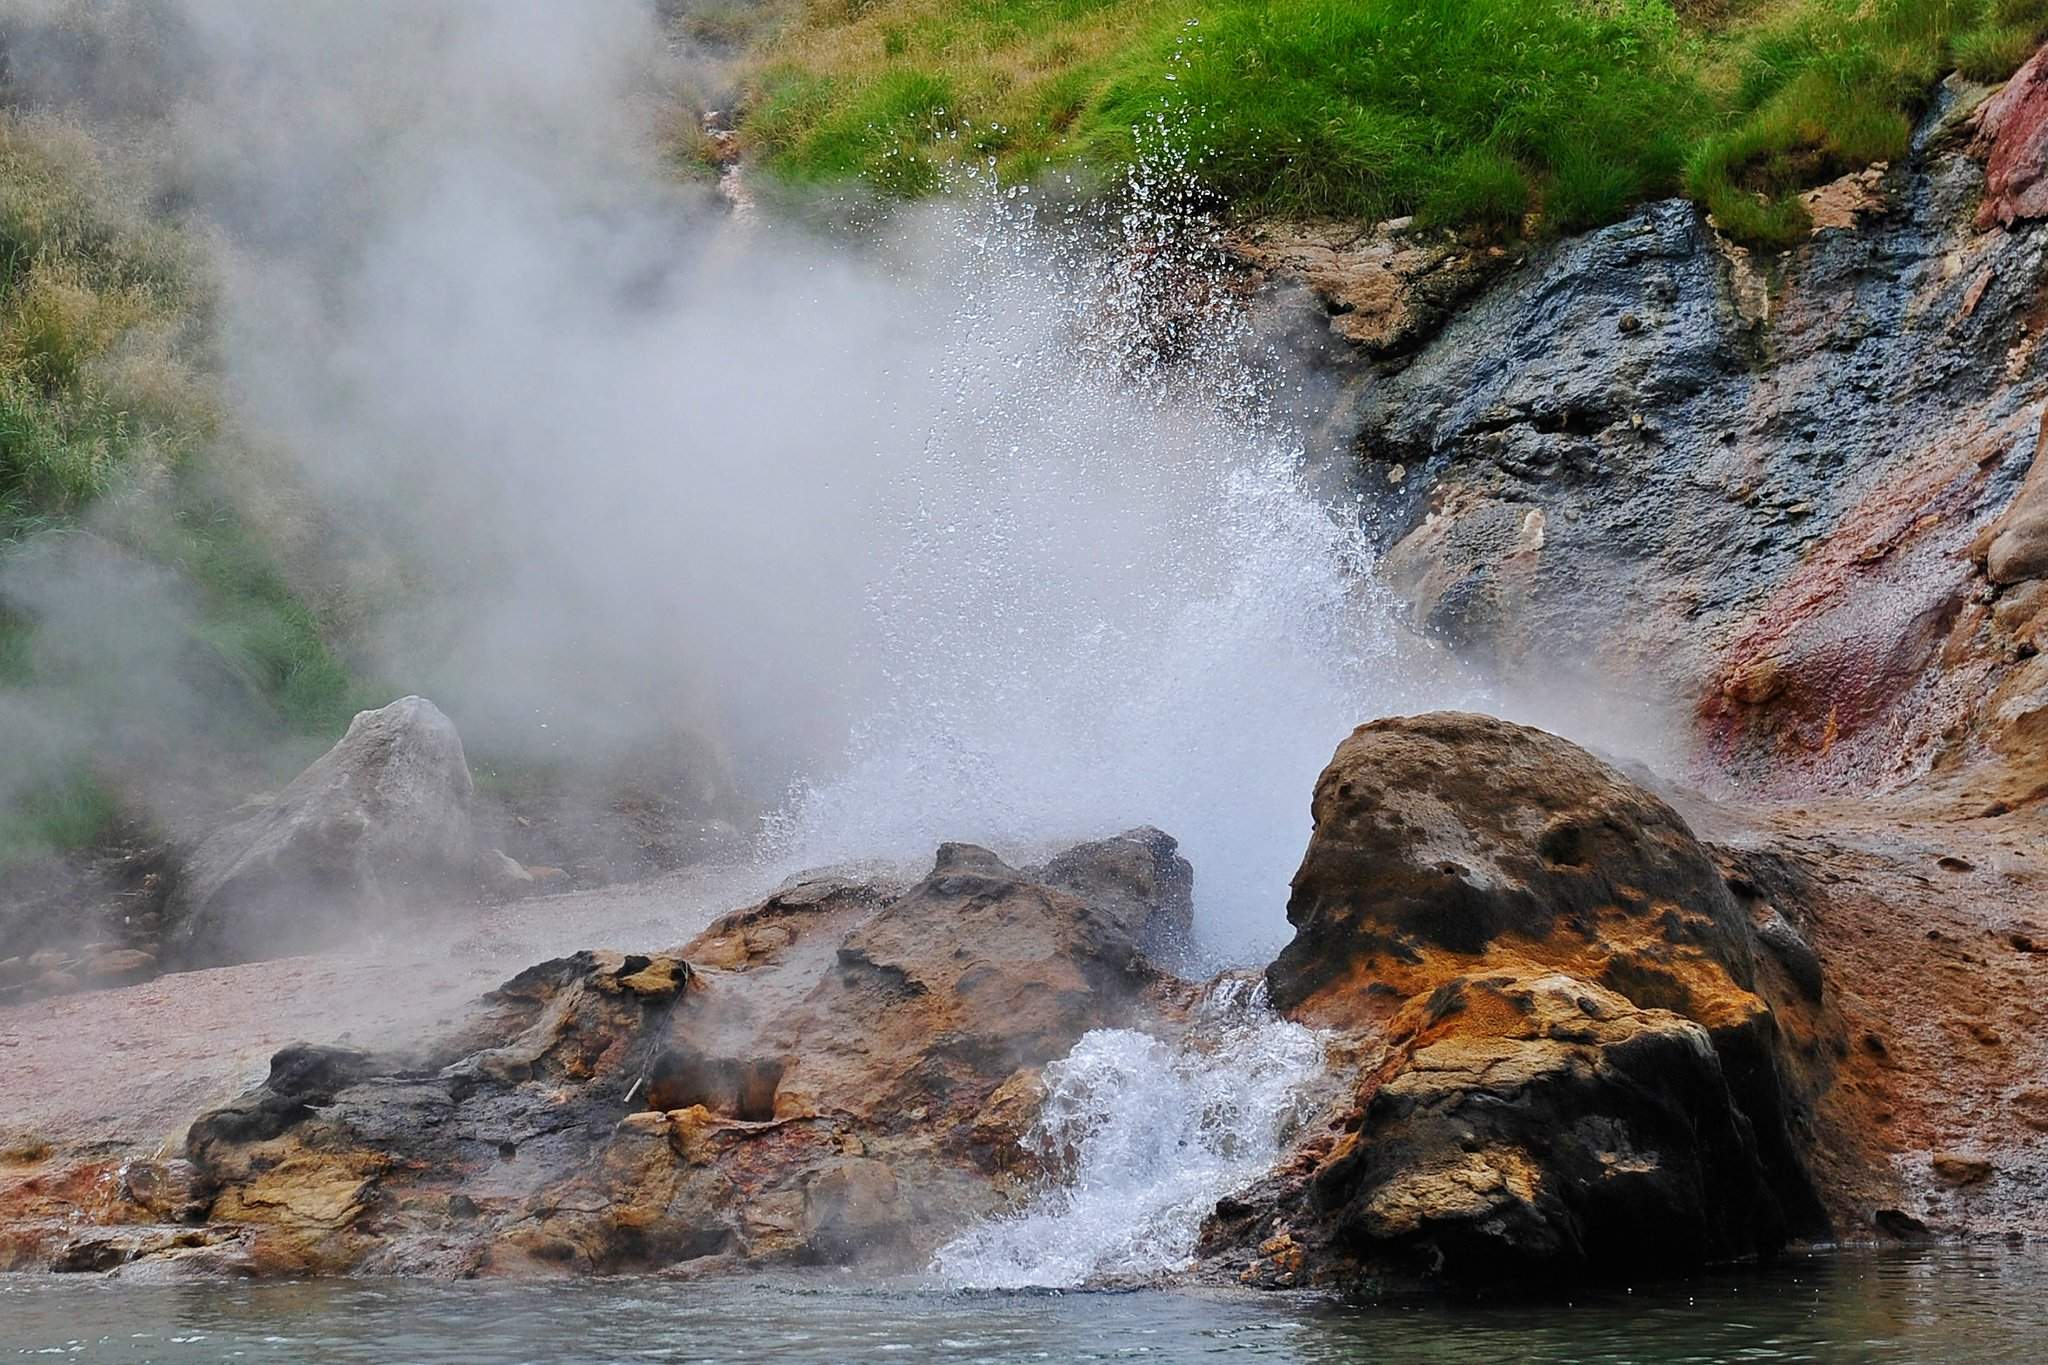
{"points": [[1566, 1037], [1578, 1022]]}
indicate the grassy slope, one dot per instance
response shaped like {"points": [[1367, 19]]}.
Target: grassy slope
{"points": [[1459, 110], [109, 413]]}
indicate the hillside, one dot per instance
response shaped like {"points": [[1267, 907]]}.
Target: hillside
{"points": [[1459, 111]]}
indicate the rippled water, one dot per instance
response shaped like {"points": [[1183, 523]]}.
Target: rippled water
{"points": [[1939, 1305]]}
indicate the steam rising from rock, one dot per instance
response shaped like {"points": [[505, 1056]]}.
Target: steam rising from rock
{"points": [[992, 531], [1102, 590]]}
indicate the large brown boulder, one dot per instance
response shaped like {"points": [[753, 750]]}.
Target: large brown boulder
{"points": [[1449, 842], [839, 1073], [1547, 991], [1539, 1125], [378, 820]]}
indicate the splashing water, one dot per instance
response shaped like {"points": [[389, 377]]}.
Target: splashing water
{"points": [[1149, 1135], [1110, 598]]}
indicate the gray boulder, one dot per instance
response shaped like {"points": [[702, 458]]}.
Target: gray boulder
{"points": [[379, 820], [1139, 880]]}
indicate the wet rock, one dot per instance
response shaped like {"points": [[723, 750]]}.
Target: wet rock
{"points": [[302, 1078], [1899, 1224], [833, 1081], [1560, 1060], [381, 819], [932, 1003], [1139, 878], [1758, 498], [166, 1190], [764, 930], [1453, 837], [852, 1211], [1540, 1127]]}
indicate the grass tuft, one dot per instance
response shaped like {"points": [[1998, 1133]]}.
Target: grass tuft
{"points": [[59, 815]]}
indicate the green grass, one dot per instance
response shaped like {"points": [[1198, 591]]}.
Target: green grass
{"points": [[262, 632], [1460, 110], [2005, 35], [1825, 88], [103, 384], [96, 301], [1464, 112], [57, 816], [110, 416]]}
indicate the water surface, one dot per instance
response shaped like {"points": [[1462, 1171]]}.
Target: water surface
{"points": [[1939, 1305]]}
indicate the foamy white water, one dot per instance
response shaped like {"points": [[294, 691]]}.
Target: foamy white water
{"points": [[1145, 1137]]}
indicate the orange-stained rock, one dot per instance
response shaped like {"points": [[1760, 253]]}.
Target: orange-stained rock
{"points": [[1549, 996], [827, 1076], [1450, 842], [1541, 1126]]}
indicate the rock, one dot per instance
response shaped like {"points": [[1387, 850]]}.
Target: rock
{"points": [[838, 1078], [381, 818], [2012, 137], [1388, 286], [112, 966], [1842, 204], [1680, 512], [166, 1190], [1957, 1170], [504, 873], [934, 1001], [852, 1211], [1793, 952], [1140, 879], [1450, 838], [2015, 546], [1899, 1224], [1547, 988], [1543, 1127]]}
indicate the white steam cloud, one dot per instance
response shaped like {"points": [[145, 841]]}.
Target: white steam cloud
{"points": [[921, 532]]}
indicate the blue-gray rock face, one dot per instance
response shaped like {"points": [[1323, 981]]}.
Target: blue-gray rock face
{"points": [[1740, 484]]}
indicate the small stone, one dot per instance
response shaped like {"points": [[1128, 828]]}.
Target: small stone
{"points": [[503, 870], [1957, 1170], [117, 964]]}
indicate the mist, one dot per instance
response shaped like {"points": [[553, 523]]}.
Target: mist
{"points": [[988, 525]]}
